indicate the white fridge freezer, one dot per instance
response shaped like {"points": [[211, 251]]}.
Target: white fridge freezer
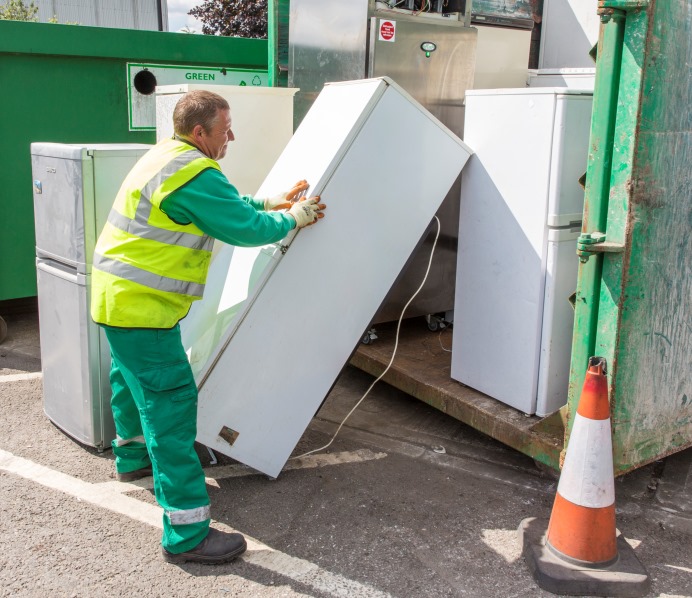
{"points": [[521, 212], [74, 189], [281, 321]]}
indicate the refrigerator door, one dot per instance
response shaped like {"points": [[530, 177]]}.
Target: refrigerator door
{"points": [[74, 189], [558, 320], [59, 202], [76, 390], [569, 156], [301, 323]]}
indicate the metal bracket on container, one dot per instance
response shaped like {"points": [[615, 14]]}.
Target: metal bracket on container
{"points": [[606, 7], [283, 249], [589, 244]]}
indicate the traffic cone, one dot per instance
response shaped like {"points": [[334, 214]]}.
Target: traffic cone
{"points": [[582, 552]]}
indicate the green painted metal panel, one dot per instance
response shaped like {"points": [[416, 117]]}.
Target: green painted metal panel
{"points": [[69, 84], [278, 11], [643, 311]]}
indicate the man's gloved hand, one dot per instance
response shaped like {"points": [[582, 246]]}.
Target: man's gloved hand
{"points": [[307, 211], [284, 200]]}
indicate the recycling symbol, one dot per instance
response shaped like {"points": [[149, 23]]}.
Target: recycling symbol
{"points": [[256, 80]]}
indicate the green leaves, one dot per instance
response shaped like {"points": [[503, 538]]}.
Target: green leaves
{"points": [[233, 18], [15, 10]]}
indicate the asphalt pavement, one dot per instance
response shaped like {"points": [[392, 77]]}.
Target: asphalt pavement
{"points": [[406, 502]]}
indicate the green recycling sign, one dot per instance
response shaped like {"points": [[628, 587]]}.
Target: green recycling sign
{"points": [[143, 79]]}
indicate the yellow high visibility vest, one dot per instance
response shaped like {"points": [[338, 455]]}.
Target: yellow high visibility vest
{"points": [[147, 270]]}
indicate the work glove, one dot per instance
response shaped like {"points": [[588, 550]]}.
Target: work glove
{"points": [[307, 211], [284, 200]]}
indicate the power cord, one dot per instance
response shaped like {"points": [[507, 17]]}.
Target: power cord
{"points": [[396, 345]]}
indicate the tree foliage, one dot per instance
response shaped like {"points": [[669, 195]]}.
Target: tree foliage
{"points": [[233, 18], [15, 10]]}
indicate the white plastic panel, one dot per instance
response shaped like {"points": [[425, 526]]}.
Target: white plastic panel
{"points": [[302, 323], [558, 320], [76, 389]]}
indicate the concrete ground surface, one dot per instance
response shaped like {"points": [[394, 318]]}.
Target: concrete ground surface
{"points": [[407, 502]]}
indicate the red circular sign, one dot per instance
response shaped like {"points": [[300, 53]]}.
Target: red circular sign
{"points": [[386, 30]]}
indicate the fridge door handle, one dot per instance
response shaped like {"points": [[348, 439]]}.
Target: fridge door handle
{"points": [[61, 271]]}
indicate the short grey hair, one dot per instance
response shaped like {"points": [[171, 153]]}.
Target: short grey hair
{"points": [[197, 107]]}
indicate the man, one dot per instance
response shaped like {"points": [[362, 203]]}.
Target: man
{"points": [[150, 264]]}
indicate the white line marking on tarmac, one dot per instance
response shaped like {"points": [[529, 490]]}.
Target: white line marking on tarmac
{"points": [[258, 554], [685, 569], [18, 377], [214, 474]]}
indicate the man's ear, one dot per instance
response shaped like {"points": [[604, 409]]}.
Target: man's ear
{"points": [[197, 131]]}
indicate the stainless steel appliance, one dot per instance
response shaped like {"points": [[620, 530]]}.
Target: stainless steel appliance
{"points": [[431, 54], [74, 189]]}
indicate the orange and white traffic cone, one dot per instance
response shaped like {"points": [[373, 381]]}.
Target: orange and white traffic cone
{"points": [[582, 552]]}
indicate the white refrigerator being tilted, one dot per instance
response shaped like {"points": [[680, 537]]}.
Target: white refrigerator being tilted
{"points": [[520, 217], [278, 323]]}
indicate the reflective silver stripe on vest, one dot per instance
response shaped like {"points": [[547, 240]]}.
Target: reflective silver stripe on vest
{"points": [[146, 231], [148, 279], [140, 227], [123, 441], [188, 516], [164, 174]]}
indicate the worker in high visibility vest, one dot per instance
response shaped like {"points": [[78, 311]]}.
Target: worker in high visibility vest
{"points": [[150, 263]]}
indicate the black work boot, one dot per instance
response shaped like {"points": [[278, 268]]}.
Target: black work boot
{"points": [[217, 547], [131, 476]]}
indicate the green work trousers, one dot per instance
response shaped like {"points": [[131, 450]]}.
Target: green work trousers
{"points": [[155, 410]]}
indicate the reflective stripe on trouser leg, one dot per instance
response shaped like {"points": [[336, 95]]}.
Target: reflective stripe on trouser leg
{"points": [[123, 441], [156, 369], [129, 445], [188, 516]]}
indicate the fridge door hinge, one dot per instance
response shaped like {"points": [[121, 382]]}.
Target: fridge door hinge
{"points": [[589, 244]]}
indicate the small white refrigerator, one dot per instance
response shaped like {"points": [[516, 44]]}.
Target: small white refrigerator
{"points": [[520, 217], [278, 323], [74, 188]]}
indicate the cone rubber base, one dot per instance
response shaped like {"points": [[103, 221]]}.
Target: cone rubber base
{"points": [[625, 577]]}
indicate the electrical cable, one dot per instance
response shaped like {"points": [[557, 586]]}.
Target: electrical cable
{"points": [[396, 345]]}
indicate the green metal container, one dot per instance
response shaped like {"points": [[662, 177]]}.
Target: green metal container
{"points": [[634, 294], [72, 84]]}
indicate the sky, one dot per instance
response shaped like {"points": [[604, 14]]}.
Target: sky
{"points": [[178, 17]]}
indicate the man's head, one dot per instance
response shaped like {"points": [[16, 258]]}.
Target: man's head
{"points": [[204, 118]]}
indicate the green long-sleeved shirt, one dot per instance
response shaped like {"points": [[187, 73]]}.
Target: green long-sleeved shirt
{"points": [[214, 205]]}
